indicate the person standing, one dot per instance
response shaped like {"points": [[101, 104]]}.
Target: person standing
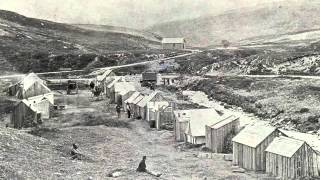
{"points": [[118, 109], [128, 110]]}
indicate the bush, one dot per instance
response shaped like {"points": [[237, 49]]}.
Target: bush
{"points": [[304, 110]]}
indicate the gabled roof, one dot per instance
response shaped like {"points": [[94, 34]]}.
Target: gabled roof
{"points": [[253, 135], [132, 97], [138, 99], [284, 146], [48, 96], [104, 75], [116, 79], [199, 118], [173, 40], [147, 99], [224, 122]]}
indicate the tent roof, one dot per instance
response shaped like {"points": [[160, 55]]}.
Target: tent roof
{"points": [[29, 80], [116, 79], [284, 146], [253, 135], [132, 97], [147, 99], [155, 106], [224, 122], [138, 99], [104, 75], [198, 119], [124, 87], [173, 40]]}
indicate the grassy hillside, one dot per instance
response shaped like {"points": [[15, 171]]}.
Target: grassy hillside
{"points": [[271, 19], [32, 44]]}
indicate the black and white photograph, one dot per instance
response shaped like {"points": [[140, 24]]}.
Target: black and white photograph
{"points": [[160, 89]]}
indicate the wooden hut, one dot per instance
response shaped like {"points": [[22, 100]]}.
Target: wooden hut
{"points": [[249, 146], [29, 86], [153, 97], [153, 111], [291, 159], [181, 118], [43, 104], [24, 115], [196, 128], [216, 134], [165, 116]]}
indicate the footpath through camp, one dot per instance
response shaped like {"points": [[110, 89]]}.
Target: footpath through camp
{"points": [[109, 146]]}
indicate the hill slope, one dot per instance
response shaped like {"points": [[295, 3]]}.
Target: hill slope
{"points": [[270, 19], [33, 44]]}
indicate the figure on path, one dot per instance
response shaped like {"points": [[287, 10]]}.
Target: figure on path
{"points": [[118, 109], [143, 167], [128, 110]]}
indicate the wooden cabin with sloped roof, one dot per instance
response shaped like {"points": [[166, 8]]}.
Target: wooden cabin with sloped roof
{"points": [[217, 134], [250, 144], [290, 158]]}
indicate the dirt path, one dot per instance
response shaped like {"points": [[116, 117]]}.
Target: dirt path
{"points": [[108, 147]]}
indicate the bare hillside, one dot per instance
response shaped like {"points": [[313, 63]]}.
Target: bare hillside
{"points": [[272, 19], [28, 44]]}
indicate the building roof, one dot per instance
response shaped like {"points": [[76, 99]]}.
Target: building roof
{"points": [[132, 97], [224, 122], [198, 119], [284, 146], [155, 106], [115, 80], [39, 98], [124, 87], [29, 104], [172, 40], [253, 135], [138, 99], [104, 75], [147, 99]]}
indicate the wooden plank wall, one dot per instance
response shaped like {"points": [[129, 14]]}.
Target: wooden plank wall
{"points": [[301, 164], [252, 158], [23, 116], [216, 137], [179, 130]]}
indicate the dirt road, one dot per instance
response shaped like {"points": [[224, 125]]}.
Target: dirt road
{"points": [[108, 144]]}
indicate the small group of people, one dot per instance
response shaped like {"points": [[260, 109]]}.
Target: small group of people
{"points": [[128, 108]]}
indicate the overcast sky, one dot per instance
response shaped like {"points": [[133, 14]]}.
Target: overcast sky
{"points": [[128, 13]]}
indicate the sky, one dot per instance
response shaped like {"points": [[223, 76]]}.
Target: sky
{"points": [[136, 14]]}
